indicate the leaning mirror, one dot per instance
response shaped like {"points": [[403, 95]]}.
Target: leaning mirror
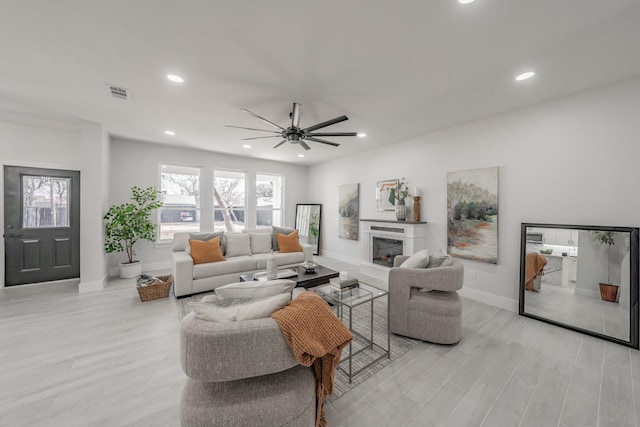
{"points": [[308, 225], [583, 278]]}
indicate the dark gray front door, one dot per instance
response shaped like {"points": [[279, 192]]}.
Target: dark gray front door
{"points": [[41, 225]]}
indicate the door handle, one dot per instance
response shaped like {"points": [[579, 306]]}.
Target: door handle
{"points": [[11, 235]]}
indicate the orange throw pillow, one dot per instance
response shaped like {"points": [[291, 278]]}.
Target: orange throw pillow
{"points": [[203, 252], [288, 242]]}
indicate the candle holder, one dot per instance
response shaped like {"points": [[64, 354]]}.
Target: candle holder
{"points": [[416, 208]]}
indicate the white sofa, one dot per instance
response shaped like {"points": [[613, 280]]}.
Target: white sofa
{"points": [[191, 279]]}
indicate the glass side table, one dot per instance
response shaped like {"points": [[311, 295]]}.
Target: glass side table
{"points": [[350, 299]]}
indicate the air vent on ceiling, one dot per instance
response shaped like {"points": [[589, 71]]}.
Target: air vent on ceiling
{"points": [[119, 92]]}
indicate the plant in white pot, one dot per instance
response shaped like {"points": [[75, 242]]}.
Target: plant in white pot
{"points": [[608, 291], [129, 222]]}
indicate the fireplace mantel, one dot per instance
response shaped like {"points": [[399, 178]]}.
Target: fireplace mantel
{"points": [[411, 233]]}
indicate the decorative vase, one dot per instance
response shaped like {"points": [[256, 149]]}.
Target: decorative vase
{"points": [[401, 210], [272, 268]]}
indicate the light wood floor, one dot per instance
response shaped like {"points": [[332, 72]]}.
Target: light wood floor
{"points": [[107, 359]]}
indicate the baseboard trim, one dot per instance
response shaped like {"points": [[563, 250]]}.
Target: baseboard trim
{"points": [[491, 299], [94, 286]]}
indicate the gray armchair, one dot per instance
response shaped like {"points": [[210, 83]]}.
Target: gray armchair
{"points": [[243, 374], [434, 316]]}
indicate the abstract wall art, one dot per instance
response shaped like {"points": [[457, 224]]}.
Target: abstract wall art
{"points": [[472, 214], [348, 211]]}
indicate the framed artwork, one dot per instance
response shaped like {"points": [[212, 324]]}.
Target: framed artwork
{"points": [[472, 214], [348, 211], [384, 201]]}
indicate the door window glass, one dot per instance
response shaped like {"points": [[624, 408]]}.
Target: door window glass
{"points": [[45, 201]]}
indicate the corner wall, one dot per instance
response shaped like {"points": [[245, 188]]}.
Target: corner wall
{"points": [[569, 161]]}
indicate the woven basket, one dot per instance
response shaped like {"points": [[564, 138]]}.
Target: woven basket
{"points": [[156, 290], [608, 292]]}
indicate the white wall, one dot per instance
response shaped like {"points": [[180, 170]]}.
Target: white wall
{"points": [[137, 163], [570, 161], [39, 142]]}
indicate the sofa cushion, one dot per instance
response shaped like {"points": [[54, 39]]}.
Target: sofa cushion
{"points": [[206, 251], [255, 289], [260, 243], [240, 264], [236, 309], [238, 244], [289, 242], [418, 260], [281, 259], [440, 261], [279, 230]]}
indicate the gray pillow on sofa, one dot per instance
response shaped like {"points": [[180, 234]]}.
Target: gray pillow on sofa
{"points": [[418, 260], [238, 244], [255, 289], [440, 261], [279, 230], [236, 309], [260, 243]]}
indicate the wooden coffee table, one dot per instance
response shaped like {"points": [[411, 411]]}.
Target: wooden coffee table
{"points": [[320, 276]]}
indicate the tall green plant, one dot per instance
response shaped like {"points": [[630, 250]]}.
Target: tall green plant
{"points": [[606, 238], [129, 222], [314, 225]]}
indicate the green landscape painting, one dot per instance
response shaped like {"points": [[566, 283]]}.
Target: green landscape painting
{"points": [[472, 214]]}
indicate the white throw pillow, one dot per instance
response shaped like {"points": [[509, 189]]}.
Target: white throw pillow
{"points": [[233, 310], [418, 260], [260, 243], [256, 288], [238, 244]]}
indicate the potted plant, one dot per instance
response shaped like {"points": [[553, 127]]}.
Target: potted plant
{"points": [[608, 291], [314, 226], [129, 222]]}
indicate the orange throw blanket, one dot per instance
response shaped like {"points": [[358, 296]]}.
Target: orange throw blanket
{"points": [[533, 265], [316, 336]]}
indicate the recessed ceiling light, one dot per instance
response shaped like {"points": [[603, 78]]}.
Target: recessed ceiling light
{"points": [[246, 146], [300, 155], [361, 134], [465, 1], [169, 132], [175, 78], [525, 76]]}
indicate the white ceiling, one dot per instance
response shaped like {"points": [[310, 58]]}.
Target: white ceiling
{"points": [[397, 69]]}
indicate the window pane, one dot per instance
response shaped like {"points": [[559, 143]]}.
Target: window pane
{"points": [[180, 188], [269, 200], [229, 200], [45, 202]]}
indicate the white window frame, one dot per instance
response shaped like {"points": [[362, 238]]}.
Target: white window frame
{"points": [[178, 169], [273, 208], [245, 208]]}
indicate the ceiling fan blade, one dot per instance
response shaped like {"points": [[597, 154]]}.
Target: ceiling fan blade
{"points": [[263, 119], [295, 115], [304, 145], [261, 137], [280, 143], [261, 130], [334, 134], [327, 123], [322, 141]]}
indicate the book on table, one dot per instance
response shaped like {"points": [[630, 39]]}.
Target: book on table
{"points": [[342, 285]]}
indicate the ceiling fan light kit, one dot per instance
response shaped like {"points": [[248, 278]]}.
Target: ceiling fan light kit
{"points": [[294, 134]]}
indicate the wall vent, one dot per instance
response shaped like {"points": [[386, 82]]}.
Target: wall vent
{"points": [[119, 92]]}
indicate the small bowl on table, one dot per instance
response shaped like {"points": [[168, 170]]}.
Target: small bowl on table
{"points": [[309, 266]]}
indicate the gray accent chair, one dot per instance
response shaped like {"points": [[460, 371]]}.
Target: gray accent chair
{"points": [[243, 374], [434, 316]]}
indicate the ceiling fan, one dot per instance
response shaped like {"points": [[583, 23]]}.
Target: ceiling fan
{"points": [[294, 133]]}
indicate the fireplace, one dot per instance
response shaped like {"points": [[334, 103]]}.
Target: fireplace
{"points": [[385, 250], [385, 240]]}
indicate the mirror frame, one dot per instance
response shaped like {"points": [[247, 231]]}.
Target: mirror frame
{"points": [[633, 281], [316, 250]]}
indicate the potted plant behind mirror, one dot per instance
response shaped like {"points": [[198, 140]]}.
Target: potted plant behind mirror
{"points": [[608, 291], [129, 222]]}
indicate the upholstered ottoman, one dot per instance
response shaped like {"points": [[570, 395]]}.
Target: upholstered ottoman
{"points": [[243, 374]]}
